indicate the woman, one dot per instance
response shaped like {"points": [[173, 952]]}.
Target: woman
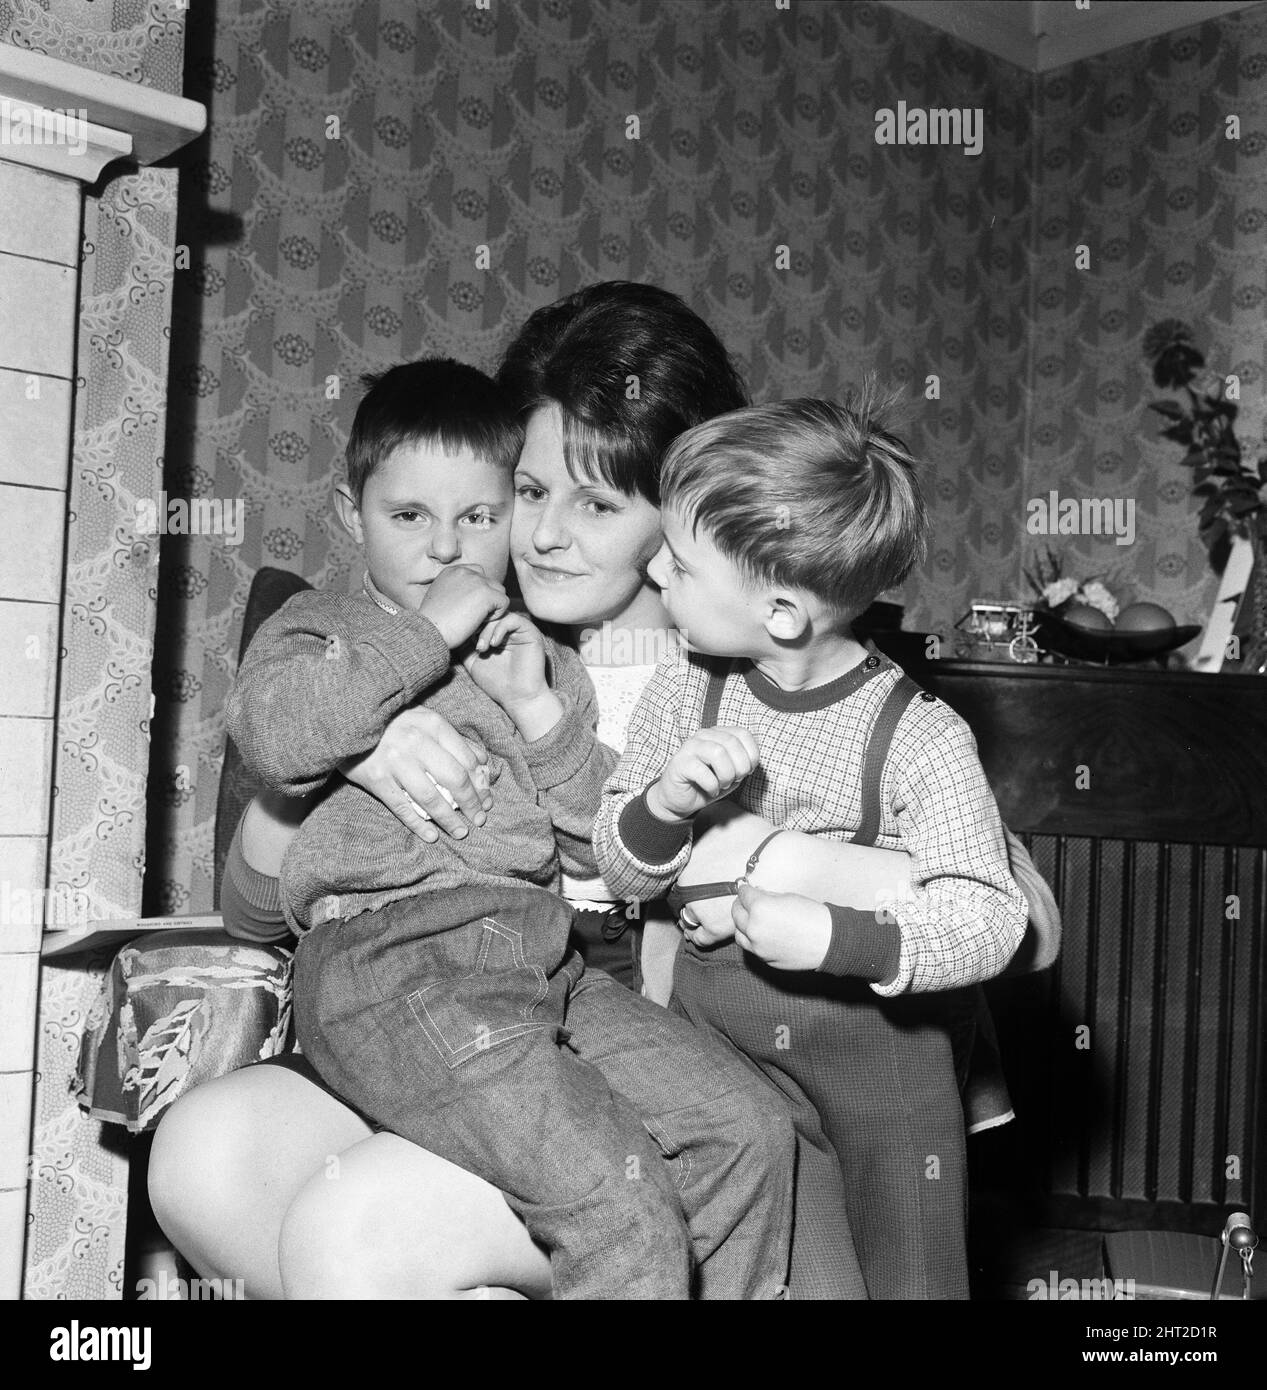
{"points": [[264, 1175]]}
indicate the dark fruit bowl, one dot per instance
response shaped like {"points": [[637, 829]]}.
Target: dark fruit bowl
{"points": [[1091, 644]]}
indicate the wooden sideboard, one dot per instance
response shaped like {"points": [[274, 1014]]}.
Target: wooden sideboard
{"points": [[1138, 1064]]}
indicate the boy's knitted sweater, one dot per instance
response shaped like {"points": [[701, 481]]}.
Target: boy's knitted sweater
{"points": [[965, 916], [320, 682]]}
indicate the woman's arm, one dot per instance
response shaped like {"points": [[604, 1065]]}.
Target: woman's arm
{"points": [[848, 875], [422, 769], [825, 870], [419, 758], [269, 824]]}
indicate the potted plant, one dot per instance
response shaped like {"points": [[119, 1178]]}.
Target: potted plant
{"points": [[1231, 488]]}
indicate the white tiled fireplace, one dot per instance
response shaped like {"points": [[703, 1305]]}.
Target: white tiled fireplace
{"points": [[60, 125]]}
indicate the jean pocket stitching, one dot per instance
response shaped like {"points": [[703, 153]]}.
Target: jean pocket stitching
{"points": [[492, 927], [512, 935], [455, 1056]]}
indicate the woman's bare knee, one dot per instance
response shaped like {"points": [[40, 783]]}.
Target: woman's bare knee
{"points": [[197, 1148], [228, 1159], [389, 1220]]}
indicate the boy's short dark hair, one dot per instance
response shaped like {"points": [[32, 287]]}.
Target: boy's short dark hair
{"points": [[806, 493], [435, 400]]}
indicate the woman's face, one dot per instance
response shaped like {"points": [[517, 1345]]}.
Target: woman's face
{"points": [[580, 548]]}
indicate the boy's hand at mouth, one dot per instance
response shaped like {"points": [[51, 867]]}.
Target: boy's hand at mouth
{"points": [[508, 663], [461, 600]]}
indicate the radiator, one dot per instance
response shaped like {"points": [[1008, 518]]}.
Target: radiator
{"points": [[1136, 1063]]}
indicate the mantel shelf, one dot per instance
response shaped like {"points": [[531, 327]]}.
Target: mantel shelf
{"points": [[122, 120]]}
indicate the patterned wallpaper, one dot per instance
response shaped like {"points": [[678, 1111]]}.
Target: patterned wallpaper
{"points": [[318, 257], [1133, 162], [359, 153], [79, 1168], [138, 40]]}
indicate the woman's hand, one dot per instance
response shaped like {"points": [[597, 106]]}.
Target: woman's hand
{"points": [[420, 757], [786, 930], [708, 922]]}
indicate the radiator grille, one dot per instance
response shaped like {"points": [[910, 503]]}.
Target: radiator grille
{"points": [[1164, 1102]]}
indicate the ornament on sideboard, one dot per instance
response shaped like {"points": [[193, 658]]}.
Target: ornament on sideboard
{"points": [[993, 630], [1083, 620], [1231, 487]]}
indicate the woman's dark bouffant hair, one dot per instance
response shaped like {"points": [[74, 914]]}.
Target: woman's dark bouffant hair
{"points": [[630, 366]]}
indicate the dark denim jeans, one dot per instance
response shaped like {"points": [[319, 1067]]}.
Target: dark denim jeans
{"points": [[650, 1161]]}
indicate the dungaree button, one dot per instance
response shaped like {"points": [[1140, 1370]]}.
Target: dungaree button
{"points": [[871, 663], [927, 695]]}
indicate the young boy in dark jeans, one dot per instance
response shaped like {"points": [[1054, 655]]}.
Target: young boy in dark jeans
{"points": [[434, 987], [781, 524]]}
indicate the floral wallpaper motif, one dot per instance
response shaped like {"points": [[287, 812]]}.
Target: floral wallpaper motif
{"points": [[360, 151], [457, 127], [79, 1170], [139, 40], [1133, 162], [358, 155]]}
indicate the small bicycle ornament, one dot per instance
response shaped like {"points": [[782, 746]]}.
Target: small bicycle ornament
{"points": [[993, 631]]}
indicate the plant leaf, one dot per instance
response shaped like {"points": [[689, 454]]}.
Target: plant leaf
{"points": [[1220, 551]]}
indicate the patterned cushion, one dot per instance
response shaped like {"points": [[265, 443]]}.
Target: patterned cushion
{"points": [[181, 1007], [178, 1008]]}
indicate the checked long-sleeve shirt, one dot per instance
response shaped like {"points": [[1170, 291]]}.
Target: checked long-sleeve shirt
{"points": [[963, 917]]}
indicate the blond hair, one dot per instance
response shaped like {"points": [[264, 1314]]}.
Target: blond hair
{"points": [[805, 493]]}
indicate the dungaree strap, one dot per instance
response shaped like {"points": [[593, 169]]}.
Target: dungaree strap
{"points": [[878, 742], [881, 736], [877, 751], [717, 674], [678, 896]]}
